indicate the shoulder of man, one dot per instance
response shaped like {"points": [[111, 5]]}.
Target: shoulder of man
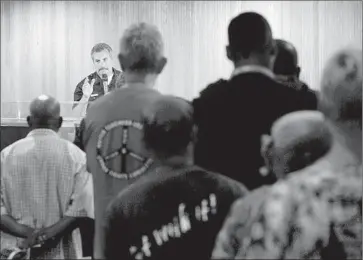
{"points": [[206, 96], [302, 205], [288, 208], [213, 88], [243, 211], [236, 188], [8, 149]]}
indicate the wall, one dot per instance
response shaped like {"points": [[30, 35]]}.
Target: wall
{"points": [[45, 45]]}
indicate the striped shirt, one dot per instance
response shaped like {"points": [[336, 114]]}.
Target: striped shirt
{"points": [[40, 177]]}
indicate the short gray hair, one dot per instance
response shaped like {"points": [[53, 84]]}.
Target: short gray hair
{"points": [[341, 89], [101, 47], [142, 45]]}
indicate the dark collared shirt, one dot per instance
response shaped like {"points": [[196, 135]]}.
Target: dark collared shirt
{"points": [[116, 82]]}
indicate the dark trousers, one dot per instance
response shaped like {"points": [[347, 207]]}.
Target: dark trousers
{"points": [[87, 228]]}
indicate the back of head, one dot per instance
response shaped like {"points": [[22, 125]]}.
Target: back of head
{"points": [[299, 139], [142, 49], [341, 89], [286, 61], [44, 112], [249, 33], [168, 126]]}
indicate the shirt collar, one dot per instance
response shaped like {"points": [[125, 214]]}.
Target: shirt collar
{"points": [[253, 68], [42, 132]]}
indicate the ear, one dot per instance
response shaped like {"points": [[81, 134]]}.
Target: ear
{"points": [[161, 64], [298, 70], [28, 119], [60, 121], [266, 145]]}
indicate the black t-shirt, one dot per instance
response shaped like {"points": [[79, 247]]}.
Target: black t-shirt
{"points": [[232, 115], [170, 214]]}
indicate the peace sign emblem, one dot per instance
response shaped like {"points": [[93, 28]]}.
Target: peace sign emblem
{"points": [[124, 151]]}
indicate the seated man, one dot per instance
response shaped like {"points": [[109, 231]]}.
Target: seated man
{"points": [[176, 210], [297, 140]]}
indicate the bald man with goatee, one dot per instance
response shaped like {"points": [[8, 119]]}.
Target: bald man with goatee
{"points": [[41, 178]]}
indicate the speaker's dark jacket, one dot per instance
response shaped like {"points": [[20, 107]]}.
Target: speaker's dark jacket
{"points": [[116, 82]]}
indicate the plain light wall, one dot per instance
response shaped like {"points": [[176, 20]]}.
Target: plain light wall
{"points": [[45, 45]]}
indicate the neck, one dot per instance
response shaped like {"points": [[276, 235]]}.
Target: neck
{"points": [[34, 127], [177, 161], [252, 60], [135, 78], [347, 146], [287, 77]]}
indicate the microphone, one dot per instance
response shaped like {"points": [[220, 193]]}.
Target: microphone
{"points": [[105, 83]]}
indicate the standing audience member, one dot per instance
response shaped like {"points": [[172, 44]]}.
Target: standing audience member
{"points": [[116, 156], [319, 209], [287, 70], [231, 115], [41, 178], [297, 140], [176, 210], [286, 65]]}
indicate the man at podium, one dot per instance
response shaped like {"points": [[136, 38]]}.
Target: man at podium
{"points": [[105, 79]]}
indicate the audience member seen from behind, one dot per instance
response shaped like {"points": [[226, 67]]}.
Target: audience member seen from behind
{"points": [[287, 70], [297, 140], [231, 115], [322, 203], [42, 176], [176, 210], [112, 130]]}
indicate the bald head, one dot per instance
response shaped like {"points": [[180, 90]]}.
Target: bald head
{"points": [[341, 88], [286, 62], [168, 126], [298, 139], [44, 112]]}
